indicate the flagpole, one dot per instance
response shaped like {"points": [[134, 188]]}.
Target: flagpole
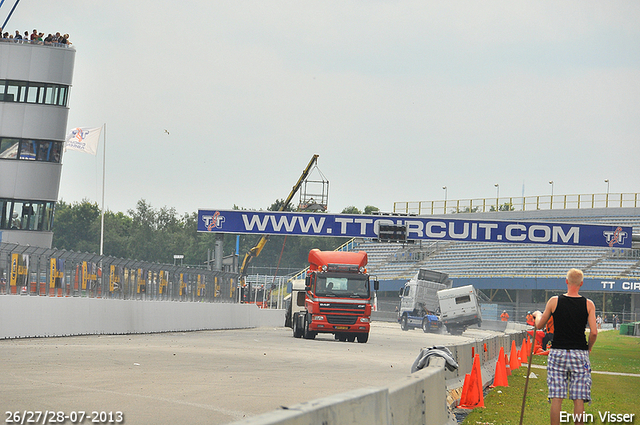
{"points": [[104, 161]]}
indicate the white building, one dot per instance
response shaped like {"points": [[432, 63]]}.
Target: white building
{"points": [[34, 94]]}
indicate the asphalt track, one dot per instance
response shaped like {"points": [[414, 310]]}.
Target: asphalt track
{"points": [[206, 377]]}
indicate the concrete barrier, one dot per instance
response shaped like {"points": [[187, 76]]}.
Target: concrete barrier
{"points": [[409, 401], [27, 316], [362, 406], [414, 401], [420, 398]]}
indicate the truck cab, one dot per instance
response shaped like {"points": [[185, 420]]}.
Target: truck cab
{"points": [[419, 301], [337, 297]]}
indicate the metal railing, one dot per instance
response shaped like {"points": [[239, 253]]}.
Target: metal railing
{"points": [[29, 270], [528, 203], [36, 42], [267, 290]]}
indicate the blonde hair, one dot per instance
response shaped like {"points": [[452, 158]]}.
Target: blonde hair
{"points": [[574, 277]]}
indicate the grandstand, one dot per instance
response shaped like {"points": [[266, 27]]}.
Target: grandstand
{"points": [[391, 261], [518, 268], [488, 260]]}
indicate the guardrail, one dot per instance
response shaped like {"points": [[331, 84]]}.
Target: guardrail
{"points": [[528, 203]]}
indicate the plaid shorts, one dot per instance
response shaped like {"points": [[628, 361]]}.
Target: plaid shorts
{"points": [[569, 369]]}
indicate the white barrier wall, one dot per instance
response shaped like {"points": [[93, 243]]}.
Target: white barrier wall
{"points": [[27, 316], [414, 400], [420, 398]]}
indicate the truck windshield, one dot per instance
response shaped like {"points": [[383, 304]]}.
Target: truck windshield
{"points": [[343, 286]]}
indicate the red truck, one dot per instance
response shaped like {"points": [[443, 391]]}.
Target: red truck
{"points": [[336, 297]]}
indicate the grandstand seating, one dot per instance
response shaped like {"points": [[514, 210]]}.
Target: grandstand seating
{"points": [[483, 259]]}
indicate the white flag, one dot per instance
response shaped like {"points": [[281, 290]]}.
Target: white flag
{"points": [[83, 139]]}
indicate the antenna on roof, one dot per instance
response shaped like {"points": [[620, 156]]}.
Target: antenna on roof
{"points": [[4, 25]]}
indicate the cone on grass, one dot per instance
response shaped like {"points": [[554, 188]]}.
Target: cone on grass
{"points": [[500, 377], [507, 366], [537, 349], [514, 363], [473, 397], [524, 351]]}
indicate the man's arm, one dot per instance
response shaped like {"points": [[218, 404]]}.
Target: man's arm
{"points": [[591, 321], [542, 318]]}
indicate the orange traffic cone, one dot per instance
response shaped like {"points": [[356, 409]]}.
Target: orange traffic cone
{"points": [[478, 371], [474, 396], [500, 377], [537, 349], [464, 398], [524, 351], [514, 362], [506, 364]]}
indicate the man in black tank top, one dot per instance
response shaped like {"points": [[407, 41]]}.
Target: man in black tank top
{"points": [[568, 367]]}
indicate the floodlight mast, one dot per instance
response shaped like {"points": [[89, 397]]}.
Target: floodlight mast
{"points": [[255, 251]]}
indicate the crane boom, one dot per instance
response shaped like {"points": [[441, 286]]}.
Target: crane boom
{"points": [[256, 250]]}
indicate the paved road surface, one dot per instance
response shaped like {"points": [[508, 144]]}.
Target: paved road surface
{"points": [[207, 377]]}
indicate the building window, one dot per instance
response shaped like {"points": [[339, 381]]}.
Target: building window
{"points": [[30, 150], [33, 92], [26, 215]]}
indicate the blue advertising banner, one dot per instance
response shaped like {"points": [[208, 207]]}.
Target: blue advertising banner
{"points": [[629, 285], [418, 228]]}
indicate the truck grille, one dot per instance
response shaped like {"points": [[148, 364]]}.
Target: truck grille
{"points": [[327, 308], [342, 320]]}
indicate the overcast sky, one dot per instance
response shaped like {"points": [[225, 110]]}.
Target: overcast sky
{"points": [[399, 98]]}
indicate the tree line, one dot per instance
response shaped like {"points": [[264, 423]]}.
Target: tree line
{"points": [[157, 234]]}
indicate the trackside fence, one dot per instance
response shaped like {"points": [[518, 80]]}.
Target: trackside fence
{"points": [[36, 271]]}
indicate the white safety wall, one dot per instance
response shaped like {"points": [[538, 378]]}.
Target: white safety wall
{"points": [[29, 316]]}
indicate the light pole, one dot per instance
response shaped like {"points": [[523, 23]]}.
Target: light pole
{"points": [[497, 196], [551, 203], [445, 198], [607, 198]]}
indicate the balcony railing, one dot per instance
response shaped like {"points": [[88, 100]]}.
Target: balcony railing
{"points": [[40, 43], [528, 203]]}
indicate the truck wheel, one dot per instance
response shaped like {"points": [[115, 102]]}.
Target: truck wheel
{"points": [[307, 333], [351, 338], [297, 332], [362, 338], [426, 325], [404, 325], [341, 337]]}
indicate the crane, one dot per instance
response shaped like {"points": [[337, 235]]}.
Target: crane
{"points": [[255, 251]]}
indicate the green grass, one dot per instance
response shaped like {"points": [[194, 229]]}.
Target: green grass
{"points": [[616, 394]]}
